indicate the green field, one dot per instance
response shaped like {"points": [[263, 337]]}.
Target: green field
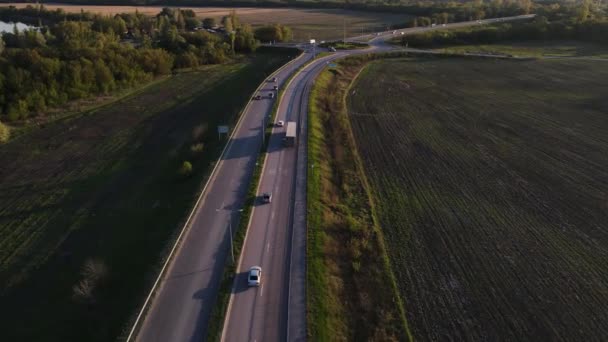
{"points": [[339, 45], [105, 187], [537, 49], [491, 184]]}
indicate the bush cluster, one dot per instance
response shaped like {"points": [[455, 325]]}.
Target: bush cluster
{"points": [[68, 57]]}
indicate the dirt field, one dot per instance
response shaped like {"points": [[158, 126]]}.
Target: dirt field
{"points": [[105, 187], [491, 179], [305, 23]]}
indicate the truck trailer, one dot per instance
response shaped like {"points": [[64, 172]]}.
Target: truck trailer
{"points": [[290, 134]]}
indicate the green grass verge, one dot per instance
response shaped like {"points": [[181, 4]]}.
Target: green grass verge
{"points": [[535, 49], [346, 257], [339, 45]]}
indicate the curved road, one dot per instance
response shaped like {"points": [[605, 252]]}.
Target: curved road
{"points": [[187, 292], [276, 237], [276, 311]]}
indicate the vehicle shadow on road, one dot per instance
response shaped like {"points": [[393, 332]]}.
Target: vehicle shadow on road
{"points": [[241, 282]]}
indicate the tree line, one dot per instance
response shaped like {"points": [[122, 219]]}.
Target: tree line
{"points": [[447, 12], [565, 21], [73, 56], [413, 7]]}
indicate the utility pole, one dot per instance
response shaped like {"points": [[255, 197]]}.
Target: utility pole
{"points": [[344, 31], [263, 130], [231, 237], [230, 212]]}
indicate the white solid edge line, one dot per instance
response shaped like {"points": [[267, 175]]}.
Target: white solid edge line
{"points": [[227, 315], [201, 196]]}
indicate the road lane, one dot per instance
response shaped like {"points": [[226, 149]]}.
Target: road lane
{"points": [[186, 294], [260, 314]]}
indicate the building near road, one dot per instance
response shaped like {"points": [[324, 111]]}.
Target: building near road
{"points": [[290, 134]]}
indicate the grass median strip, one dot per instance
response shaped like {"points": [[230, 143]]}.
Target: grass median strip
{"points": [[219, 312]]}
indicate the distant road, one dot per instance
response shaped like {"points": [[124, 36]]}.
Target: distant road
{"points": [[386, 35]]}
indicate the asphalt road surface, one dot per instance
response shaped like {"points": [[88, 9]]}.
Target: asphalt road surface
{"points": [[181, 308], [182, 304], [260, 313]]}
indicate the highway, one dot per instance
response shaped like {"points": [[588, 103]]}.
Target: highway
{"points": [[183, 299], [276, 310], [260, 314], [185, 296]]}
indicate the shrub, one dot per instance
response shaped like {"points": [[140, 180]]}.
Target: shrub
{"points": [[5, 133], [196, 148], [93, 271], [198, 132], [186, 169]]}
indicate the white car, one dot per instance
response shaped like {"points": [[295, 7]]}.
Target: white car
{"points": [[280, 123], [254, 278]]}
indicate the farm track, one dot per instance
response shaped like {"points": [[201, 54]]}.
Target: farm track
{"points": [[491, 189]]}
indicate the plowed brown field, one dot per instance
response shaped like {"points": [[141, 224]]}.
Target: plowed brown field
{"points": [[491, 178]]}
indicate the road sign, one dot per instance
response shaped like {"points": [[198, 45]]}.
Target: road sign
{"points": [[222, 130]]}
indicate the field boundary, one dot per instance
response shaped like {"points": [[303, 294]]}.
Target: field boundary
{"points": [[314, 189], [186, 226], [372, 205]]}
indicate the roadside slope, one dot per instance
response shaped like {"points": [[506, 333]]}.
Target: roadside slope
{"points": [[348, 271]]}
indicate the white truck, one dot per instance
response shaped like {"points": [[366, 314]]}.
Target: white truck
{"points": [[290, 134]]}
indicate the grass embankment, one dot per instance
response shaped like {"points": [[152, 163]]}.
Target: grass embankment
{"points": [[535, 49], [338, 45], [105, 187], [490, 178], [350, 289]]}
